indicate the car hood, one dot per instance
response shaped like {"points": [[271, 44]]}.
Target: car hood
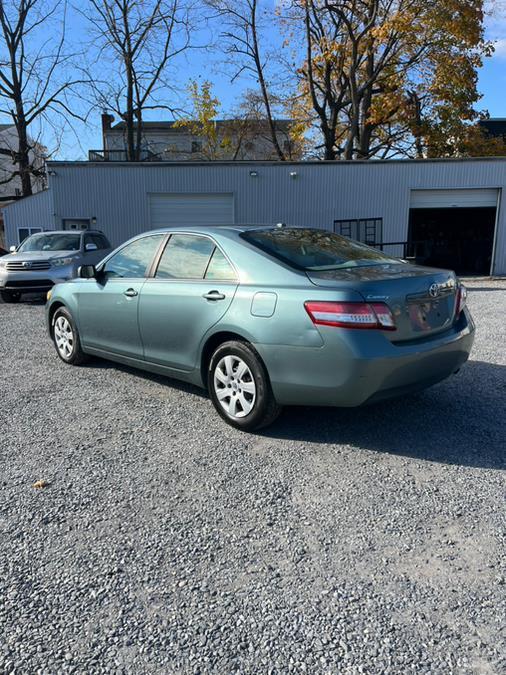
{"points": [[39, 255]]}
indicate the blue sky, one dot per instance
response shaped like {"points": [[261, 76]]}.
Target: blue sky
{"points": [[492, 80], [202, 65]]}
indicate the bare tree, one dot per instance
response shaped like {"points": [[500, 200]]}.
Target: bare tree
{"points": [[324, 80], [140, 39], [34, 81], [242, 36]]}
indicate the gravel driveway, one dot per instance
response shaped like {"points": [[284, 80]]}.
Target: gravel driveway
{"points": [[337, 541]]}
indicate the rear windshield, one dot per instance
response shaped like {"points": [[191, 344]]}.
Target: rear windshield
{"points": [[51, 242], [315, 250]]}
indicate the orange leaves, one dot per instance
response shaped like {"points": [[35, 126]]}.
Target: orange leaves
{"points": [[369, 56]]}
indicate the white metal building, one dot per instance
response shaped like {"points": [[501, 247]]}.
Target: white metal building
{"points": [[443, 212]]}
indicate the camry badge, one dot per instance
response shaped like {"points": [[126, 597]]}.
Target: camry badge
{"points": [[434, 290]]}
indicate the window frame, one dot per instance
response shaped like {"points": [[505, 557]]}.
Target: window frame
{"points": [[156, 261]]}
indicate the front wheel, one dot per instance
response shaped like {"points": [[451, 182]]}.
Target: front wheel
{"points": [[10, 296], [66, 338], [239, 387]]}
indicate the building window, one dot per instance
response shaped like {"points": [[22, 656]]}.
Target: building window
{"points": [[76, 223], [25, 232], [250, 146], [196, 146], [366, 230]]}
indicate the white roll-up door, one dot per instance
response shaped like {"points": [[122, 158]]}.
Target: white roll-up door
{"points": [[191, 209], [452, 199]]}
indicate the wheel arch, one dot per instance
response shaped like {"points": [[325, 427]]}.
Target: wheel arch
{"points": [[52, 311], [210, 345]]}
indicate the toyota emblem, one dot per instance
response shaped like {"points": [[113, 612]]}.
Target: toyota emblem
{"points": [[434, 290], [27, 264]]}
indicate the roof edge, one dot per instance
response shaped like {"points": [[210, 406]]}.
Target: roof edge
{"points": [[261, 162]]}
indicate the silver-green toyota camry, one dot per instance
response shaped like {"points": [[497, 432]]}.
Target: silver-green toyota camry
{"points": [[265, 317]]}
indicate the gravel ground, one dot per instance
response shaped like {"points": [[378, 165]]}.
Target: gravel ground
{"points": [[351, 541]]}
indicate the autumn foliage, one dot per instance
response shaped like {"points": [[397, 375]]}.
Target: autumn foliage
{"points": [[385, 78]]}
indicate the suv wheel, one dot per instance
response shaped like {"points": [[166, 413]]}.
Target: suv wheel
{"points": [[66, 338], [10, 296], [239, 387]]}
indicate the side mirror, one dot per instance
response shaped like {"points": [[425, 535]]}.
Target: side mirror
{"points": [[87, 272], [12, 249], [91, 247]]}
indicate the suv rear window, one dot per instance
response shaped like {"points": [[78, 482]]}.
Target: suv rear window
{"points": [[315, 250]]}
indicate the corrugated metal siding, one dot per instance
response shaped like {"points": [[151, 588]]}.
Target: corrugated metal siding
{"points": [[33, 211], [117, 195]]}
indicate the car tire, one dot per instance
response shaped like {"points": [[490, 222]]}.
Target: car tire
{"points": [[239, 387], [66, 338], [10, 296]]}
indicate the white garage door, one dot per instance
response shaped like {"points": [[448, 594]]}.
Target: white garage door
{"points": [[451, 199], [191, 209]]}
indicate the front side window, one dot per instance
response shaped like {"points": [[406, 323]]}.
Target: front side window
{"points": [[315, 250], [134, 259], [186, 256], [51, 242]]}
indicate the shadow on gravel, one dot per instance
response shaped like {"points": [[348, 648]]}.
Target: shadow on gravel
{"points": [[146, 375], [29, 299], [461, 421], [33, 300]]}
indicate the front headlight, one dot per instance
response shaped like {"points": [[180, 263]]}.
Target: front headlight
{"points": [[3, 264], [61, 262]]}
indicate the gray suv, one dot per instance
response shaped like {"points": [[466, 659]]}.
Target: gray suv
{"points": [[46, 258]]}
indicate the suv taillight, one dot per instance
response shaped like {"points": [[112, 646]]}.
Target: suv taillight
{"points": [[351, 314], [461, 299]]}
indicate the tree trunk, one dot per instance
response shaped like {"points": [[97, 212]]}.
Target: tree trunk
{"points": [[129, 113], [138, 134], [23, 153], [263, 85], [329, 136]]}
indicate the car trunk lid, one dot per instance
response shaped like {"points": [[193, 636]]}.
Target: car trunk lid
{"points": [[421, 299]]}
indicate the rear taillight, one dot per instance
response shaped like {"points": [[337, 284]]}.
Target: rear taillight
{"points": [[351, 314], [461, 299]]}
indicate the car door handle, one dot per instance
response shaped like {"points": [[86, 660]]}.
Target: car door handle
{"points": [[214, 295], [130, 293]]}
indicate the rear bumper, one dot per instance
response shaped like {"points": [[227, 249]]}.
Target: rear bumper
{"points": [[358, 367]]}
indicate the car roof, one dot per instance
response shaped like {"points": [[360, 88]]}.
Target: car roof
{"points": [[70, 232], [216, 229]]}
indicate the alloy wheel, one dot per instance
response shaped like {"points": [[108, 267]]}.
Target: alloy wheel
{"points": [[234, 386], [64, 336]]}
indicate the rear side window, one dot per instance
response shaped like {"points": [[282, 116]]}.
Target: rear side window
{"points": [[98, 239], [186, 256], [134, 259], [315, 250], [219, 268]]}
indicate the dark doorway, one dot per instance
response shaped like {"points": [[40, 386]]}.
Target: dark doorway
{"points": [[459, 239]]}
